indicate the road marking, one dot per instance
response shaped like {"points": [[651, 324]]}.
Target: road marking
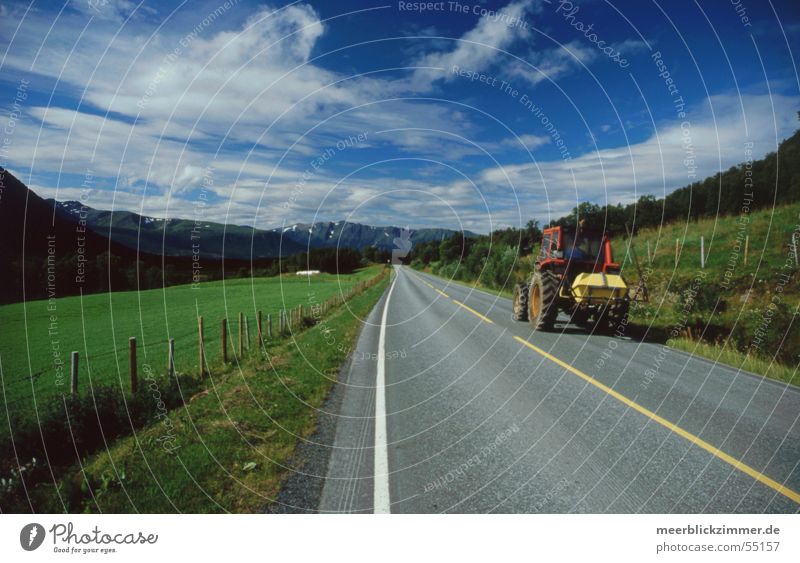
{"points": [[381, 503], [440, 292], [473, 311], [716, 452]]}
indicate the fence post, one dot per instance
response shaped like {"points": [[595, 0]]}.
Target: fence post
{"points": [[134, 374], [171, 358], [223, 332], [246, 333], [746, 247], [241, 334], [201, 346], [73, 374], [259, 334], [702, 252]]}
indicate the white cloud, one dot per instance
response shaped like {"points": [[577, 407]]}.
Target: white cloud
{"points": [[526, 142], [477, 49], [552, 64]]}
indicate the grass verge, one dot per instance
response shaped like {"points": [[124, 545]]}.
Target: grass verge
{"points": [[726, 355]]}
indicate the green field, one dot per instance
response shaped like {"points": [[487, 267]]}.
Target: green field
{"points": [[99, 326]]}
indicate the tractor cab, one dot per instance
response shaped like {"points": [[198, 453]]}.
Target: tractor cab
{"points": [[576, 250]]}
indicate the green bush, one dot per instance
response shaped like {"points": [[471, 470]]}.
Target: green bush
{"points": [[66, 429], [770, 331]]}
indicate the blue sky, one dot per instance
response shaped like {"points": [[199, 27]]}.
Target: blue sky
{"points": [[473, 114]]}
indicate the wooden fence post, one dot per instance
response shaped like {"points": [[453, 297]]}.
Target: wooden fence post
{"points": [[241, 334], [269, 326], [73, 374], [171, 358], [223, 332], [246, 333], [201, 351], [746, 247], [702, 252], [134, 373], [259, 334]]}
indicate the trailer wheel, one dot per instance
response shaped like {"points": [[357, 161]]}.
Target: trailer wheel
{"points": [[617, 314], [519, 308], [543, 300], [610, 315]]}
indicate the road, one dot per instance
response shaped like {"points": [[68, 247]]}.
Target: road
{"points": [[475, 413]]}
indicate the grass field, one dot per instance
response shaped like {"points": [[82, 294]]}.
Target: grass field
{"points": [[37, 335], [234, 439]]}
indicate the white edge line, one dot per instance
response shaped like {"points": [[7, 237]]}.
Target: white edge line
{"points": [[381, 502]]}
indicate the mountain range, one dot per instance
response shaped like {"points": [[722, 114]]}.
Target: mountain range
{"points": [[177, 237]]}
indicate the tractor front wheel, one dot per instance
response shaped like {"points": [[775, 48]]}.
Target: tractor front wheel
{"points": [[519, 308], [542, 300]]}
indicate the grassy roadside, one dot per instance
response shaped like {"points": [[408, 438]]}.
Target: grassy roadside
{"points": [[228, 445], [735, 359]]}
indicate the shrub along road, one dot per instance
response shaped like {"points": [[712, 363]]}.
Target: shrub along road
{"points": [[482, 415]]}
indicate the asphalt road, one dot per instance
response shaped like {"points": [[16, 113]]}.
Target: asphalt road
{"points": [[477, 421]]}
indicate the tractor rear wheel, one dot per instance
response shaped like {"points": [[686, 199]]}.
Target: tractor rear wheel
{"points": [[519, 308], [543, 300]]}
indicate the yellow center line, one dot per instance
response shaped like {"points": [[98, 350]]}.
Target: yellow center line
{"points": [[716, 452], [474, 312], [440, 292]]}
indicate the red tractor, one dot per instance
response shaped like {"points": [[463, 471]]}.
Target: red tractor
{"points": [[575, 272]]}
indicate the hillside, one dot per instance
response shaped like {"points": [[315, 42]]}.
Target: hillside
{"points": [[45, 253], [749, 307]]}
